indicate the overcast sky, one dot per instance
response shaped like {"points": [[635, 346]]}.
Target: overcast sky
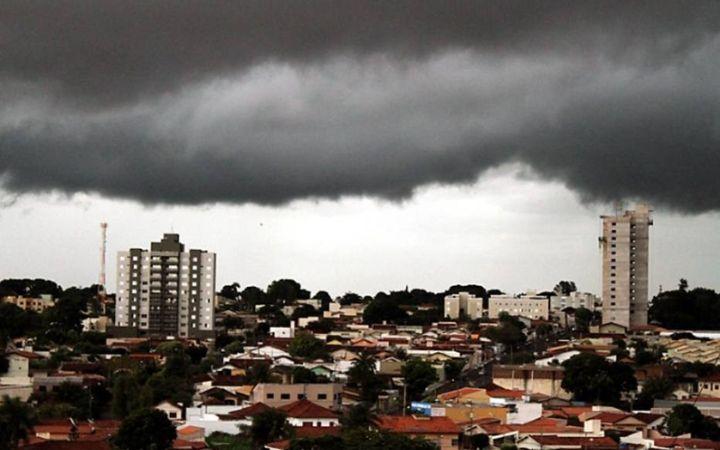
{"points": [[356, 145]]}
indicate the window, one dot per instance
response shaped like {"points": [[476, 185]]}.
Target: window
{"points": [[270, 396], [301, 396], [322, 396], [284, 396]]}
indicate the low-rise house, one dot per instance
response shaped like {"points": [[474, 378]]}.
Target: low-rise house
{"points": [[173, 410], [390, 366], [542, 442], [18, 371], [306, 413], [441, 431], [531, 378]]}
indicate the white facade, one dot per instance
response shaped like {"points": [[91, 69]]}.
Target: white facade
{"points": [[166, 290], [574, 300], [531, 306], [463, 304]]}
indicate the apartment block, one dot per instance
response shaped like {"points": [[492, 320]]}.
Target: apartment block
{"points": [[166, 291], [463, 304], [574, 300], [625, 249], [530, 306]]}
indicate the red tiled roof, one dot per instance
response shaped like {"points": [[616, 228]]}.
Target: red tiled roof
{"points": [[584, 442], [180, 444], [505, 393], [252, 410], [67, 445], [190, 429], [305, 409], [457, 393], [686, 442], [418, 425], [610, 417]]}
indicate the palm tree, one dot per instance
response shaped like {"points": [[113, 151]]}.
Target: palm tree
{"points": [[16, 419]]}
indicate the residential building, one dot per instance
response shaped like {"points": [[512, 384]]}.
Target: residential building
{"points": [[306, 413], [36, 304], [166, 291], [530, 306], [441, 431], [625, 246], [531, 379], [327, 395], [463, 304], [574, 300]]}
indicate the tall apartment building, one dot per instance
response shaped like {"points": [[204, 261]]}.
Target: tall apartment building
{"points": [[463, 304], [624, 244], [166, 291]]}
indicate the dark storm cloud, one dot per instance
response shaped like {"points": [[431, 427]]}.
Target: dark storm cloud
{"points": [[194, 102]]}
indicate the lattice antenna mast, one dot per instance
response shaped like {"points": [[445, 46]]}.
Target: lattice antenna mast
{"points": [[103, 247]]}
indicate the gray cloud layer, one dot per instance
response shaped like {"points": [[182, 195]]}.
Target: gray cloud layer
{"points": [[271, 101]]}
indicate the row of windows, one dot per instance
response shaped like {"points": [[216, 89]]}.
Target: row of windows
{"points": [[286, 396]]}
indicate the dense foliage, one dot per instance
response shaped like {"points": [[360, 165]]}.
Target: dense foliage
{"points": [[696, 309], [593, 379], [147, 429], [686, 418]]}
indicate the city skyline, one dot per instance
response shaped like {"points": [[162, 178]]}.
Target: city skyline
{"points": [[503, 254]]}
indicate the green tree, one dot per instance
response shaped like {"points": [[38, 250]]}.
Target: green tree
{"points": [[362, 375], [453, 369], [252, 296], [350, 298], [583, 319], [304, 311], [363, 439], [479, 441], [565, 287], [418, 375], [146, 429], [303, 375], [591, 378], [125, 389], [306, 345], [383, 308], [16, 419], [654, 389], [258, 373], [269, 426], [686, 418], [508, 332], [695, 309], [231, 291], [358, 416], [286, 289]]}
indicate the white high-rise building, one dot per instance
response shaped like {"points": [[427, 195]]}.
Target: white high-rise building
{"points": [[625, 245], [166, 291], [463, 304]]}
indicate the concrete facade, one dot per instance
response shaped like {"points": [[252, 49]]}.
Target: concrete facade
{"points": [[574, 300], [463, 304], [166, 291], [625, 245], [327, 395], [531, 306]]}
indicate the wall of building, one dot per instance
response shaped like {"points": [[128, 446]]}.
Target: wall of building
{"points": [[534, 307]]}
